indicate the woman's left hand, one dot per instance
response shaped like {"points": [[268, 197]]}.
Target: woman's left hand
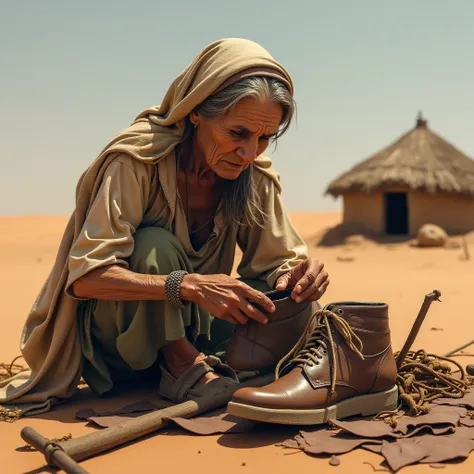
{"points": [[309, 279]]}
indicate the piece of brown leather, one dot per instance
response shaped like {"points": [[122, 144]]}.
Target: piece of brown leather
{"points": [[218, 421], [327, 442], [436, 416], [256, 346], [403, 453], [308, 385], [440, 420], [466, 401]]}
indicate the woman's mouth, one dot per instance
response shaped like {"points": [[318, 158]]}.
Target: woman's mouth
{"points": [[235, 165]]}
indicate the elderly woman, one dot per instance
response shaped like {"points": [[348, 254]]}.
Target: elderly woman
{"points": [[141, 280]]}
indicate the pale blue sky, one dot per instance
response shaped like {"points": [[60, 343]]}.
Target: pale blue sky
{"points": [[75, 73]]}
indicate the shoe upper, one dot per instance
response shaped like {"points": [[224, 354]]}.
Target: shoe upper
{"points": [[255, 346]]}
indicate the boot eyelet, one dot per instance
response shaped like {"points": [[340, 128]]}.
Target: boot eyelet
{"points": [[340, 311]]}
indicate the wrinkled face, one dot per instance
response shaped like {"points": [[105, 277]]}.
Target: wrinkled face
{"points": [[231, 142]]}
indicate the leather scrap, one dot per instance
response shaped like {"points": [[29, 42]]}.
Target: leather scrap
{"points": [[366, 428], [438, 449], [289, 443], [438, 415], [446, 448], [114, 420], [441, 429], [140, 406], [218, 421], [466, 401], [330, 442], [402, 453], [425, 449], [466, 421], [107, 419], [464, 432]]}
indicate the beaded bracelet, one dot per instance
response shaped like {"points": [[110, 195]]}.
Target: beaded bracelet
{"points": [[172, 288]]}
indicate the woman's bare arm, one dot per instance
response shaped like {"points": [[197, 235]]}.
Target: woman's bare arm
{"points": [[223, 296], [118, 283]]}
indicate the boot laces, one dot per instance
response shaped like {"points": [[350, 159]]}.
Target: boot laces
{"points": [[317, 338]]}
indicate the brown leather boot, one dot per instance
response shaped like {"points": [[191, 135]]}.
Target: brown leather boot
{"points": [[343, 365]]}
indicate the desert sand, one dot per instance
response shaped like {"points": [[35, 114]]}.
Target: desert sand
{"points": [[360, 269]]}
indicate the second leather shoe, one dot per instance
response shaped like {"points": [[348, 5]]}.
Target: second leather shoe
{"points": [[342, 365]]}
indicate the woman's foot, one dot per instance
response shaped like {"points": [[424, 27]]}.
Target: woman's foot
{"points": [[179, 355]]}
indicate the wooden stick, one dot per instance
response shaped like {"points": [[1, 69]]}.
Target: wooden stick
{"points": [[429, 298], [97, 442], [460, 348], [466, 249]]}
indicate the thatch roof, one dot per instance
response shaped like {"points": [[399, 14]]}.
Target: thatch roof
{"points": [[419, 160]]}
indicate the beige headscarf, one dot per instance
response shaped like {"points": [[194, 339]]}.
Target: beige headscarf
{"points": [[49, 343]]}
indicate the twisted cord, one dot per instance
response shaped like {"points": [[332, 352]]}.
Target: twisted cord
{"points": [[422, 378]]}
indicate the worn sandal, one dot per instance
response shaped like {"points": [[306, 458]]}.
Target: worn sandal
{"points": [[182, 388]]}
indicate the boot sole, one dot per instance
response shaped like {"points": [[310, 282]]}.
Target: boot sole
{"points": [[365, 405]]}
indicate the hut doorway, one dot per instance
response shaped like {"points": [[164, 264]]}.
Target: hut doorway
{"points": [[396, 213]]}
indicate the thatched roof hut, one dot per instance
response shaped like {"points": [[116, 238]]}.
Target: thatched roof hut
{"points": [[418, 178]]}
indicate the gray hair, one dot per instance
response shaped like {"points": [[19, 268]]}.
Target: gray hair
{"points": [[241, 203]]}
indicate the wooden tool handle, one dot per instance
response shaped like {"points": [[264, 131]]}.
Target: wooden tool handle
{"points": [[54, 454], [94, 443]]}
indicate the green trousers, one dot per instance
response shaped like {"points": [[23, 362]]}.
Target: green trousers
{"points": [[120, 339]]}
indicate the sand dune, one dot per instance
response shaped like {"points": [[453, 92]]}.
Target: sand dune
{"points": [[360, 269]]}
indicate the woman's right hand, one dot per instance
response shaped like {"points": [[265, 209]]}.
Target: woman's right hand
{"points": [[226, 298]]}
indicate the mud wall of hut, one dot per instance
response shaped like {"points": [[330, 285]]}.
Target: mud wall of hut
{"points": [[453, 213], [366, 210]]}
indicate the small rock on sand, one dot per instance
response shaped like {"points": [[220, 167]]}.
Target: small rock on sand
{"points": [[431, 235]]}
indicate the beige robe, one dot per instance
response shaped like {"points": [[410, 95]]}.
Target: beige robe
{"points": [[132, 183]]}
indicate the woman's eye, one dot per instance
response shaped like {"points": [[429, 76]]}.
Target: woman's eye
{"points": [[243, 136], [237, 134]]}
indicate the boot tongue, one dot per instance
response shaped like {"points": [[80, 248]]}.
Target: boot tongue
{"points": [[316, 345]]}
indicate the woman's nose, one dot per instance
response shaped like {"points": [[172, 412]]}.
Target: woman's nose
{"points": [[248, 151]]}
